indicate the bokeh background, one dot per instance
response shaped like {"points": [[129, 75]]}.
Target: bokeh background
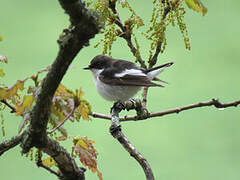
{"points": [[199, 144]]}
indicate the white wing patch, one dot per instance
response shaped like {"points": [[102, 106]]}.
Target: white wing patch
{"points": [[154, 73], [133, 72]]}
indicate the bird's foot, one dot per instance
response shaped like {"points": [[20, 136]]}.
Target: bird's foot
{"points": [[142, 113], [117, 106], [132, 104]]}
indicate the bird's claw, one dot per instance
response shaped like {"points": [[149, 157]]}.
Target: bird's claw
{"points": [[142, 114]]}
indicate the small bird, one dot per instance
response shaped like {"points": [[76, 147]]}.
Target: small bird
{"points": [[119, 80]]}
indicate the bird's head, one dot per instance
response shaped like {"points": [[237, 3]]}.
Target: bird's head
{"points": [[99, 62]]}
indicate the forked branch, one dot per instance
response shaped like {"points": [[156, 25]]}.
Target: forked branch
{"points": [[8, 144], [117, 133]]}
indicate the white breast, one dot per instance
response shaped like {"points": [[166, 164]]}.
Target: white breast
{"points": [[114, 93]]}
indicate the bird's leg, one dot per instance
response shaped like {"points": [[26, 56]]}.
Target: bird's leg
{"points": [[130, 104], [115, 110], [142, 112], [118, 105]]}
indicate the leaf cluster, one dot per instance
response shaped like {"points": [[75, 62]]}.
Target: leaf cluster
{"points": [[66, 104], [164, 13]]}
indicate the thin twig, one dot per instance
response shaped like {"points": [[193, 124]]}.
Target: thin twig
{"points": [[8, 144], [126, 34], [144, 97], [40, 164], [118, 134], [153, 60], [63, 121], [213, 102], [13, 110]]}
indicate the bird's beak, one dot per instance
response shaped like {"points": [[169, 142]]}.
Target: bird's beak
{"points": [[87, 68]]}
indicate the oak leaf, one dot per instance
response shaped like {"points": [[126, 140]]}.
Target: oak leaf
{"points": [[84, 109], [87, 154], [8, 93], [27, 102], [196, 5], [49, 162]]}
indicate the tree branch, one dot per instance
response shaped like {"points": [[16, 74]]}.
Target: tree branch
{"points": [[40, 164], [214, 102], [153, 60], [65, 162], [8, 144], [118, 134], [144, 96], [84, 26], [126, 34], [13, 110]]}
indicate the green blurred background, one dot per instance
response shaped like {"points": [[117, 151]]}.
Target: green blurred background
{"points": [[199, 144]]}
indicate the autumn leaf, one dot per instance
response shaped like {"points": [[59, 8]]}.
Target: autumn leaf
{"points": [[27, 102], [84, 109], [3, 93], [49, 162], [196, 5], [87, 154], [1, 38], [7, 93], [18, 86], [63, 91], [60, 116]]}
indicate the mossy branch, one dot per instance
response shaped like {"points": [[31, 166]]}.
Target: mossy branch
{"points": [[84, 26]]}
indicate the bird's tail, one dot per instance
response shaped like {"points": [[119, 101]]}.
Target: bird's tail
{"points": [[153, 72]]}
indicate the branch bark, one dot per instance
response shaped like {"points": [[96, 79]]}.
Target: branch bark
{"points": [[117, 133], [84, 26], [9, 144], [214, 102]]}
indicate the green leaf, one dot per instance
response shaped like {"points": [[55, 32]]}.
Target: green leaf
{"points": [[2, 73], [196, 5], [49, 162]]}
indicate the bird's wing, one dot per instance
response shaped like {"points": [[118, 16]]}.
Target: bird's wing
{"points": [[159, 80], [128, 80]]}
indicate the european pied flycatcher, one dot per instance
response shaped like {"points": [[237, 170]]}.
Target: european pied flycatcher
{"points": [[119, 80]]}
